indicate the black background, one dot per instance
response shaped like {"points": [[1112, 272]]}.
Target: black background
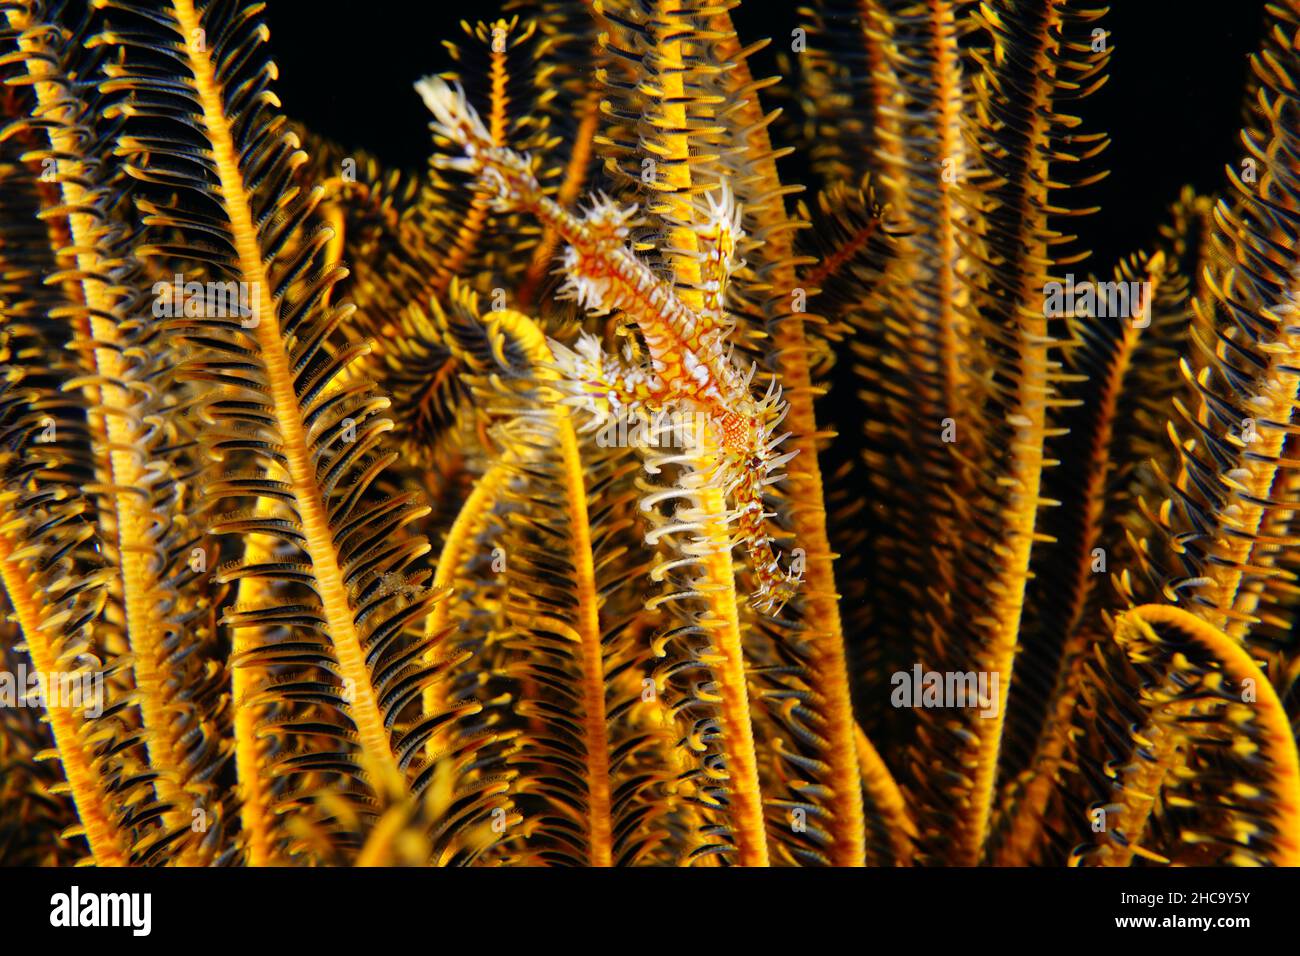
{"points": [[1172, 106]]}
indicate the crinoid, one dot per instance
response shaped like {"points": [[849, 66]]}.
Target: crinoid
{"points": [[352, 516]]}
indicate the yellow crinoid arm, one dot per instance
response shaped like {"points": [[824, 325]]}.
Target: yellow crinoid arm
{"points": [[1107, 422], [252, 769], [1210, 706], [792, 345], [105, 289], [312, 435], [1235, 431], [524, 332], [42, 617], [1035, 65]]}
